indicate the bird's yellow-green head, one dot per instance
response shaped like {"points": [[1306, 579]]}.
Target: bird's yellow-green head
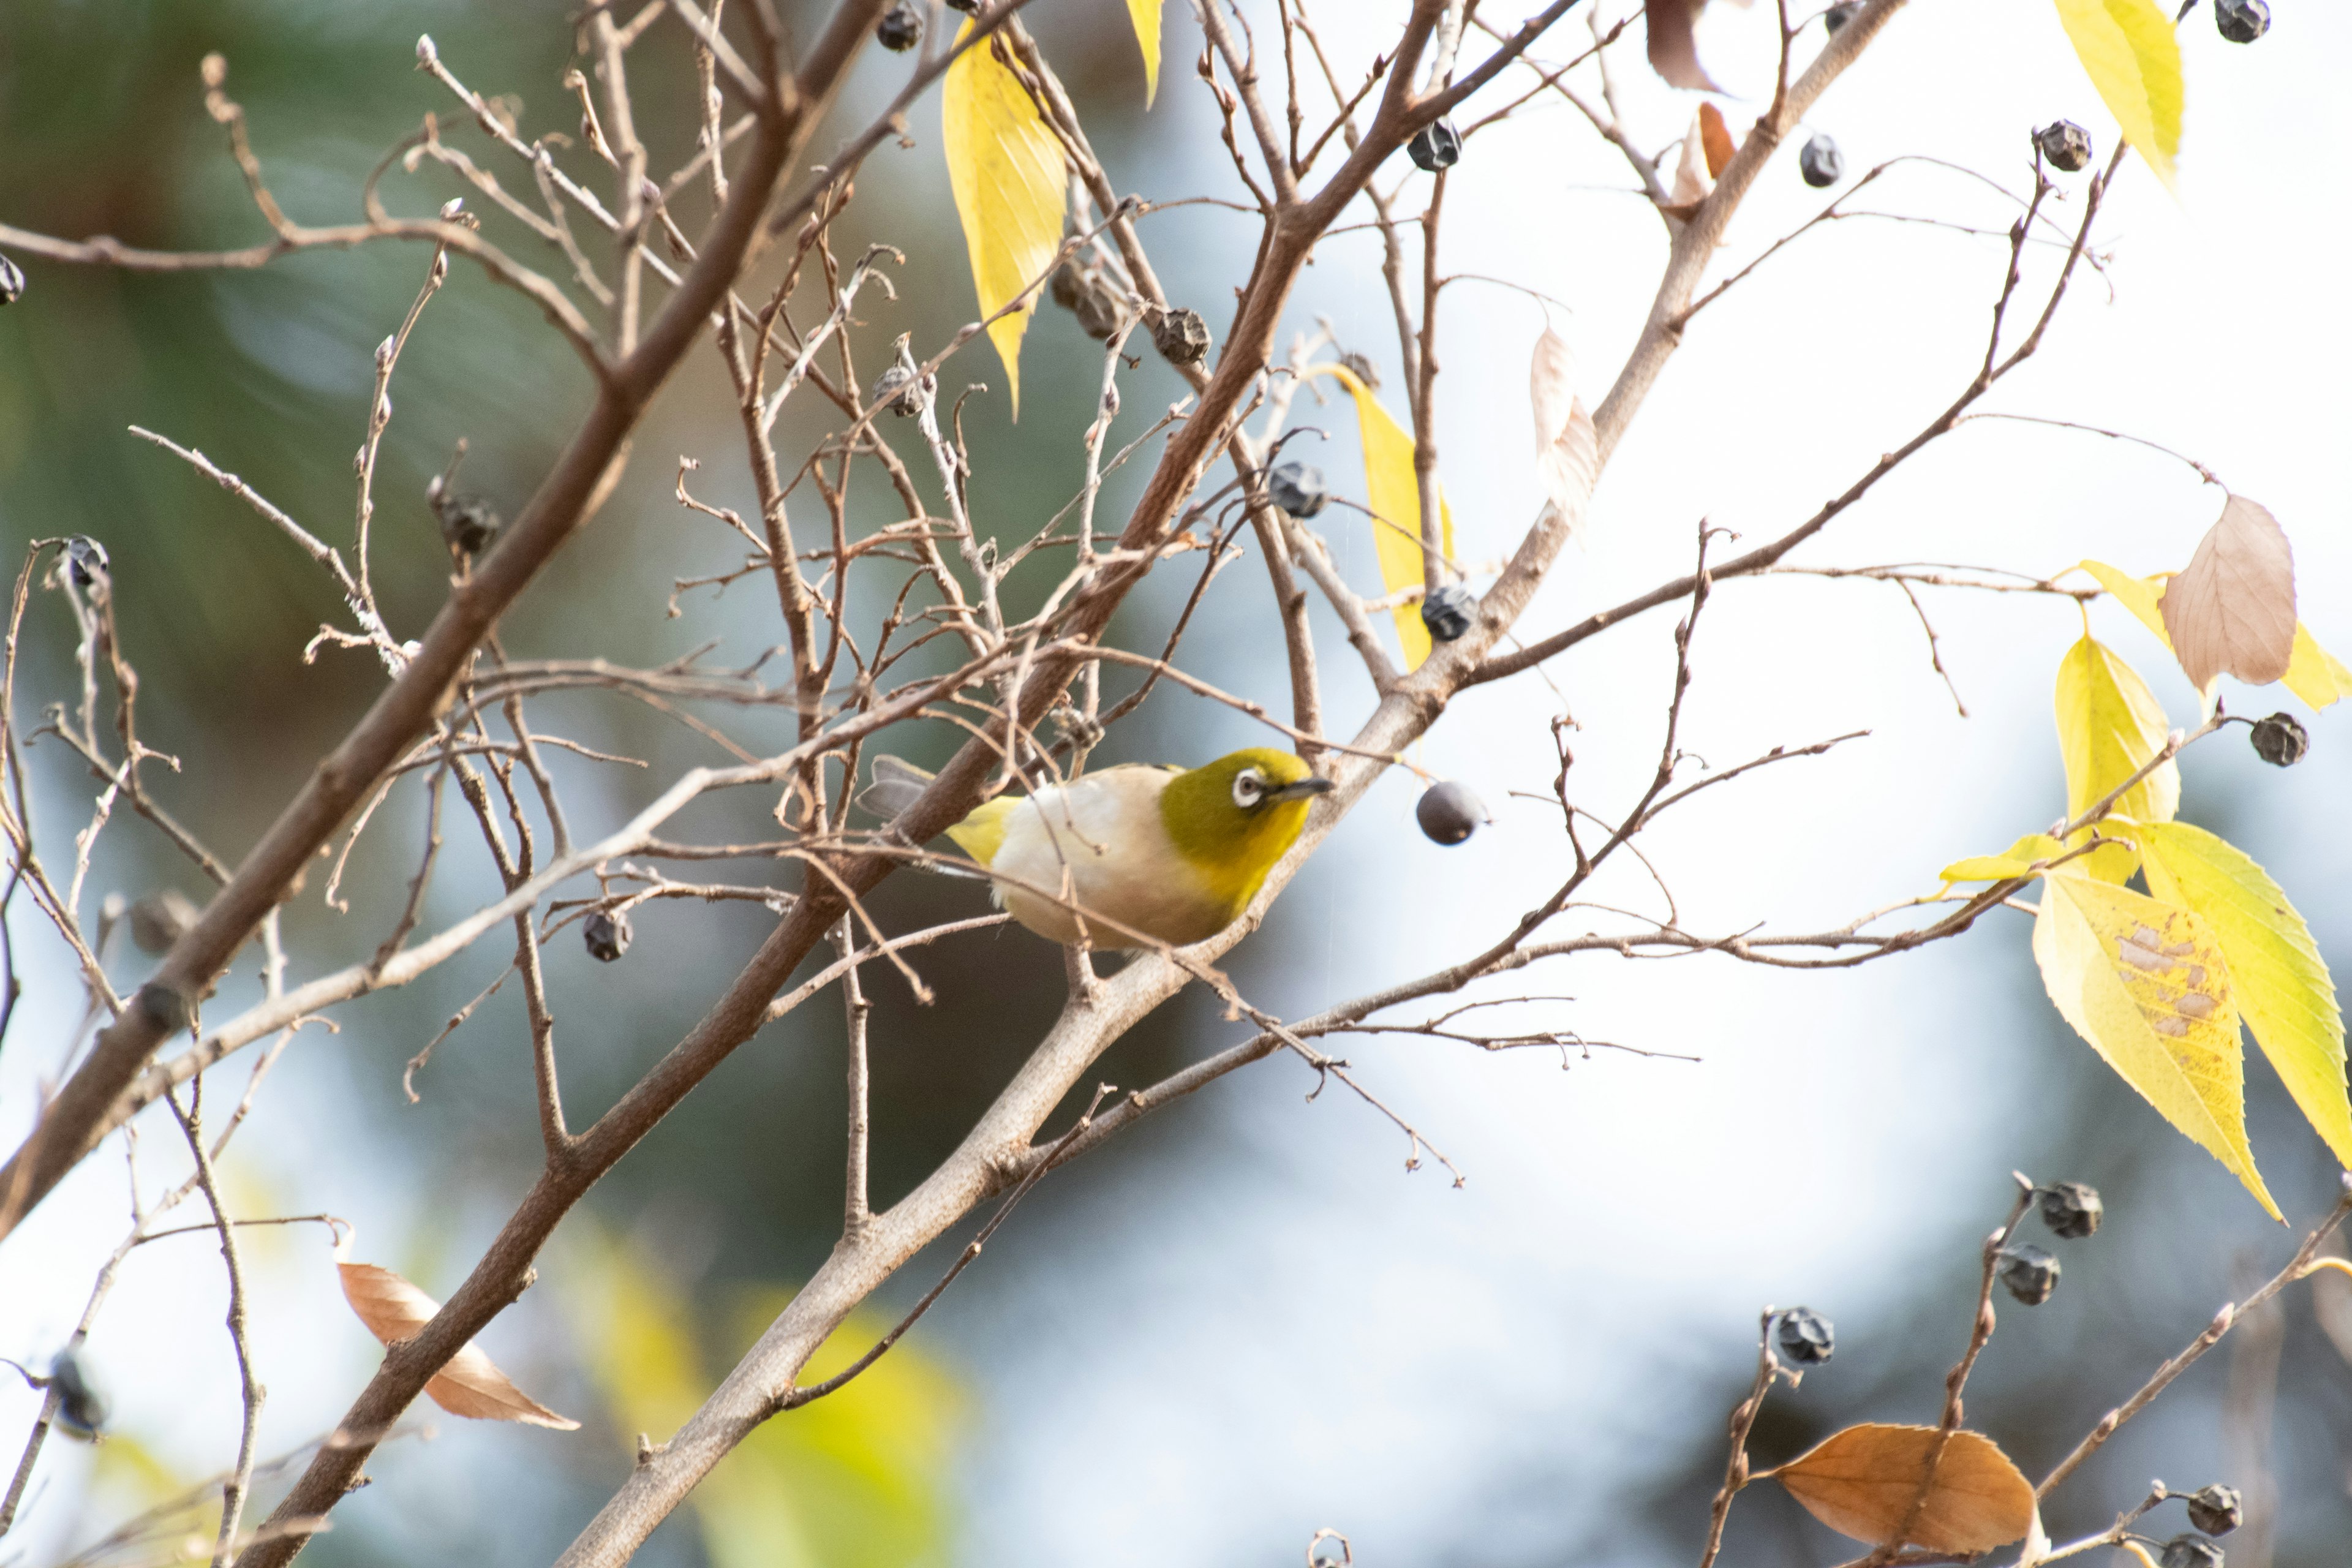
{"points": [[1234, 818]]}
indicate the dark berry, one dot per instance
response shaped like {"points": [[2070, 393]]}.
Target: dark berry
{"points": [[1363, 368], [2190, 1551], [969, 7], [2216, 1510], [1098, 309], [2065, 144], [2072, 1209], [2279, 740], [1297, 489], [1448, 612], [1180, 336], [159, 919], [12, 281], [468, 523], [1435, 146], [1839, 14], [895, 387], [1806, 1337], [86, 562], [607, 933], [901, 28], [1820, 162], [1068, 278], [2029, 1272], [81, 1408], [2241, 21], [1450, 811]]}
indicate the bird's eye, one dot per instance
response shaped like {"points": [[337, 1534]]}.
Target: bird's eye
{"points": [[1249, 788]]}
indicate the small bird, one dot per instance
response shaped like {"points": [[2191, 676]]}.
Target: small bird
{"points": [[1176, 854]]}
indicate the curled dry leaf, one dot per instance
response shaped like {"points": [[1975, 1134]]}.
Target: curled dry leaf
{"points": [[2232, 612], [1567, 450], [1864, 1480], [1715, 136], [1693, 184], [470, 1385], [1673, 47]]}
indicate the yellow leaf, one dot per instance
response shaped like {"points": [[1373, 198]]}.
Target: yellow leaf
{"points": [[1145, 14], [1007, 171], [2016, 860], [2133, 58], [2148, 985], [1392, 494], [2109, 725], [1862, 1482], [2282, 983], [2313, 673]]}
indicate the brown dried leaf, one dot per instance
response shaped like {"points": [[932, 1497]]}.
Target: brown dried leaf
{"points": [[2232, 612], [1693, 184], [470, 1385], [1716, 137], [1568, 451], [1674, 51], [1861, 1482]]}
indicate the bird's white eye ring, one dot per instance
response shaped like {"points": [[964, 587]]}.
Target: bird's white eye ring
{"points": [[1249, 788]]}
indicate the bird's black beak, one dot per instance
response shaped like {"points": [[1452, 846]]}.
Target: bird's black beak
{"points": [[1304, 789]]}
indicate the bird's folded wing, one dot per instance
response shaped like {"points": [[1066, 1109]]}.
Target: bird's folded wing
{"points": [[897, 784]]}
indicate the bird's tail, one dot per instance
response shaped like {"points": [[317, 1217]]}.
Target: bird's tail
{"points": [[898, 784]]}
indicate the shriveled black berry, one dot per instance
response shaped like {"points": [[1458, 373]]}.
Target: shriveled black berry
{"points": [[895, 387], [1839, 14], [607, 934], [1098, 309], [2190, 1551], [2241, 21], [1363, 368], [2066, 145], [1064, 287], [1180, 336], [901, 28], [1297, 489], [468, 523], [2072, 1209], [159, 919], [2029, 1272], [2279, 740], [86, 562], [966, 5], [1448, 612], [82, 1409], [2216, 1510], [164, 1007], [1806, 1337], [1450, 811], [1820, 162], [12, 281], [1436, 145]]}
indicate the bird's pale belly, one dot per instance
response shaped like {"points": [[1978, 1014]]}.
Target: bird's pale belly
{"points": [[1105, 848]]}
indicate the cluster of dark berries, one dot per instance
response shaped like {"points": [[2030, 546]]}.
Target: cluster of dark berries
{"points": [[2072, 1210], [2066, 145], [1820, 162], [1807, 1339], [1182, 336], [901, 27], [607, 934], [1436, 145], [2279, 740], [1082, 291], [12, 281]]}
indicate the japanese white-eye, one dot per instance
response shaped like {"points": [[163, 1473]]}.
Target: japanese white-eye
{"points": [[1176, 854]]}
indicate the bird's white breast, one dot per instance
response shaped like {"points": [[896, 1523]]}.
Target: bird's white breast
{"points": [[1099, 843]]}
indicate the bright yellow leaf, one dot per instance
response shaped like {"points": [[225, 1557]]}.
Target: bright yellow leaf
{"points": [[2313, 673], [1145, 14], [2016, 860], [1392, 494], [2147, 985], [2282, 983], [1008, 173], [2129, 49], [2109, 725]]}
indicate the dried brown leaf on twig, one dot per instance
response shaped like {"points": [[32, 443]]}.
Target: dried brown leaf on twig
{"points": [[470, 1385], [2232, 612], [1863, 1481], [1567, 452], [1673, 48], [1715, 136], [1692, 183]]}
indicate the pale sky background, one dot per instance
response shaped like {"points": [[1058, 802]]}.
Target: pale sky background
{"points": [[1288, 1331]]}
